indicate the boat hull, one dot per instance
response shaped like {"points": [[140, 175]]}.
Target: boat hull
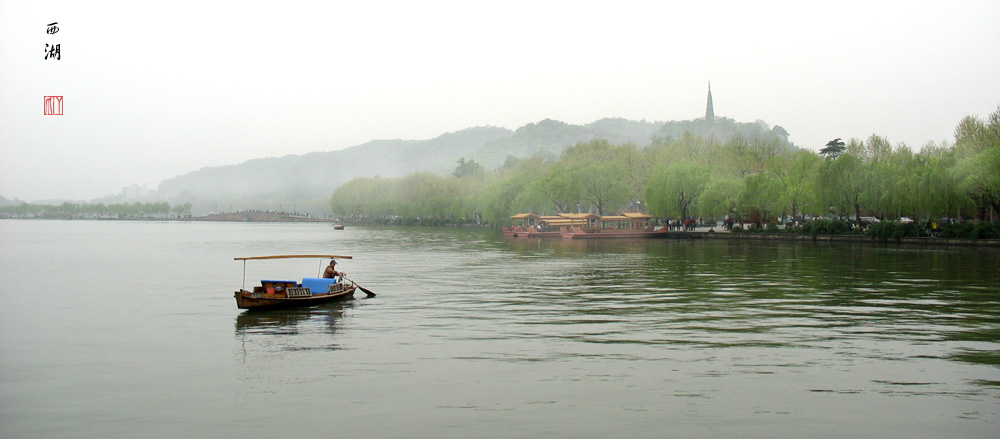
{"points": [[250, 300], [521, 232], [540, 235], [578, 233]]}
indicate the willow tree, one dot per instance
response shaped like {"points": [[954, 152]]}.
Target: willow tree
{"points": [[977, 147], [672, 189], [720, 197], [749, 157], [842, 183], [597, 149], [797, 175], [664, 151], [505, 190], [938, 187], [761, 196], [634, 170], [363, 196], [904, 182], [601, 185], [558, 187]]}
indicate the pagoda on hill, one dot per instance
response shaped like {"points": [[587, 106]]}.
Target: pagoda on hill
{"points": [[709, 111]]}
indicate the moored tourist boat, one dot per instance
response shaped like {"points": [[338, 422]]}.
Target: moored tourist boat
{"points": [[528, 225], [584, 226], [285, 293], [626, 225]]}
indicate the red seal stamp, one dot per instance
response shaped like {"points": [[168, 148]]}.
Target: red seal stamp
{"points": [[53, 105]]}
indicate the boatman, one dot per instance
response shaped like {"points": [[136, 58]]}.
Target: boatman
{"points": [[331, 270]]}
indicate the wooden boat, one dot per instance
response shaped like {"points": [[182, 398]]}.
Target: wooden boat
{"points": [[338, 227], [584, 233], [626, 225], [510, 232], [519, 225], [584, 226], [528, 225], [284, 293]]}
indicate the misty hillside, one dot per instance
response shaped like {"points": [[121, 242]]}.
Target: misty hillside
{"points": [[308, 180]]}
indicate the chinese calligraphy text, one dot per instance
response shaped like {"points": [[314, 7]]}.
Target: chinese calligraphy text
{"points": [[52, 52]]}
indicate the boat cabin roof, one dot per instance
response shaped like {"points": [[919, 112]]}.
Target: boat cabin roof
{"points": [[579, 215], [294, 256], [564, 222], [627, 217], [567, 219], [524, 216], [637, 215]]}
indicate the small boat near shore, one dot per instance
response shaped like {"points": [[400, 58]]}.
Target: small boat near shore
{"points": [[279, 293]]}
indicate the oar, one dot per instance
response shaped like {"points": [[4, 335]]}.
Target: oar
{"points": [[367, 292]]}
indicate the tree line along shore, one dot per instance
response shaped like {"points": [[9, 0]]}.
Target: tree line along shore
{"points": [[950, 185]]}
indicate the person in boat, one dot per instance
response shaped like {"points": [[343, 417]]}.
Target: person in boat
{"points": [[331, 270]]}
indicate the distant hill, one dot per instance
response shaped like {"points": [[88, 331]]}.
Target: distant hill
{"points": [[5, 202], [307, 181]]}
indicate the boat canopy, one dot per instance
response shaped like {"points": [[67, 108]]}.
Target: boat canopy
{"points": [[524, 216], [579, 215], [566, 222], [637, 215], [294, 256], [249, 258], [627, 220]]}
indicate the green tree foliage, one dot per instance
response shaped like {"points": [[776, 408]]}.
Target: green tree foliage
{"points": [[938, 187], [634, 170], [665, 151], [599, 150], [508, 191], [842, 183], [748, 157], [467, 168], [559, 186], [601, 184], [135, 210], [720, 196], [761, 198], [724, 128], [797, 175], [673, 189], [833, 148], [977, 145], [751, 174]]}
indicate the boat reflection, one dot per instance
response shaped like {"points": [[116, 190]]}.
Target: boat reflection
{"points": [[319, 318], [561, 246]]}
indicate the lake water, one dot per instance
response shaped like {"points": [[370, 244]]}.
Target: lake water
{"points": [[129, 329]]}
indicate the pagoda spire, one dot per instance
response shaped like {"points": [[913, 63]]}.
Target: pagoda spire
{"points": [[709, 111]]}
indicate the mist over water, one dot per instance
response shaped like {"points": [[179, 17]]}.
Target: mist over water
{"points": [[129, 329]]}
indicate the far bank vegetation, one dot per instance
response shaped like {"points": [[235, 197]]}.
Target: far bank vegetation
{"points": [[754, 180]]}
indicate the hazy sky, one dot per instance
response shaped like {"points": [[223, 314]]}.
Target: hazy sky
{"points": [[156, 90]]}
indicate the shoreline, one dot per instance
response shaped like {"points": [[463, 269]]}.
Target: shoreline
{"points": [[698, 233], [921, 241], [256, 217]]}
